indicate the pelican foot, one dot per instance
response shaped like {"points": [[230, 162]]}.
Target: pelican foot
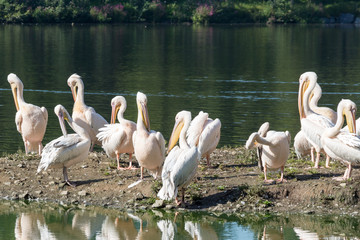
{"points": [[127, 168], [281, 180], [63, 184], [339, 179], [269, 181]]}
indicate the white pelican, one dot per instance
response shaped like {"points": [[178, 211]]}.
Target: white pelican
{"points": [[343, 145], [205, 130], [301, 144], [30, 120], [149, 146], [116, 138], [275, 150], [181, 163], [66, 150], [312, 124], [85, 116]]}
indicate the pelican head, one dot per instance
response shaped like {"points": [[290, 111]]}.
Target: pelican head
{"points": [[182, 118], [74, 81], [348, 110], [62, 114], [117, 103], [304, 83], [16, 84], [251, 142], [141, 101]]}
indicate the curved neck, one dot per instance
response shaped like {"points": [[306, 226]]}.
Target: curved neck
{"points": [[331, 132], [19, 95], [182, 140], [120, 114], [307, 93], [261, 140], [80, 92], [79, 130]]}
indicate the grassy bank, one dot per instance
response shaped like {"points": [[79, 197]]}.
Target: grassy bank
{"points": [[156, 11]]}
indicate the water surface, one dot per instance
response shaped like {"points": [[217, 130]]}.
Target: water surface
{"points": [[243, 74], [19, 220]]}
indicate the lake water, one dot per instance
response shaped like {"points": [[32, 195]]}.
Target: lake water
{"points": [[242, 74], [19, 220]]}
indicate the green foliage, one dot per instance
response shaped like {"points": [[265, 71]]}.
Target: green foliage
{"points": [[154, 11]]}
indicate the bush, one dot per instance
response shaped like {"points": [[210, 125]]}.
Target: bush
{"points": [[203, 13], [153, 11], [108, 13]]}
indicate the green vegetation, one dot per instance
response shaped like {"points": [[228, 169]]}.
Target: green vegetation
{"points": [[170, 11]]}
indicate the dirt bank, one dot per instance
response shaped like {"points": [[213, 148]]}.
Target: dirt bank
{"points": [[233, 184]]}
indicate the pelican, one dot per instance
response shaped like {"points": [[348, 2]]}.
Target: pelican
{"points": [[116, 138], [149, 146], [275, 150], [343, 145], [66, 150], [312, 124], [30, 120], [205, 130], [83, 115], [182, 162], [301, 144]]}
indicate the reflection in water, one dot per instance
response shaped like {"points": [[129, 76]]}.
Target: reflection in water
{"points": [[36, 221]]}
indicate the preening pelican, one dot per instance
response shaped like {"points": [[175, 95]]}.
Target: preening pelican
{"points": [[116, 138], [301, 144], [312, 124], [149, 146], [343, 145], [30, 120], [66, 150], [205, 130], [275, 150], [85, 116], [182, 162]]}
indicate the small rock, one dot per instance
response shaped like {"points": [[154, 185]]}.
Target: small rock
{"points": [[20, 165], [158, 204], [139, 196], [64, 193], [142, 207], [7, 183], [16, 182], [38, 192], [51, 183], [169, 206], [84, 166], [120, 182], [83, 193], [342, 184]]}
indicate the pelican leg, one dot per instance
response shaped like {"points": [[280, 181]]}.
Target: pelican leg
{"points": [[208, 160], [265, 173], [141, 173], [118, 161], [312, 154], [348, 172], [282, 175], [67, 179], [92, 146], [40, 148], [26, 143], [317, 160], [130, 167], [327, 161]]}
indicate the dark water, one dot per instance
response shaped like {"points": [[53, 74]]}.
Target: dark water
{"points": [[244, 75], [39, 221]]}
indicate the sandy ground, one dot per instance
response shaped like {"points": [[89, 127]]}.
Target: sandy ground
{"points": [[232, 184]]}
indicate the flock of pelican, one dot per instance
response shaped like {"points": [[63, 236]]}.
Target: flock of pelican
{"points": [[321, 130], [198, 138]]}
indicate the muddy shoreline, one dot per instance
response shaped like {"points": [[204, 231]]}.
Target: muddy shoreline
{"points": [[232, 184]]}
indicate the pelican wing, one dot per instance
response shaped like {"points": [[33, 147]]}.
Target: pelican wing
{"points": [[185, 168], [161, 141], [349, 139], [195, 128], [95, 120], [45, 113], [210, 136], [59, 150]]}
